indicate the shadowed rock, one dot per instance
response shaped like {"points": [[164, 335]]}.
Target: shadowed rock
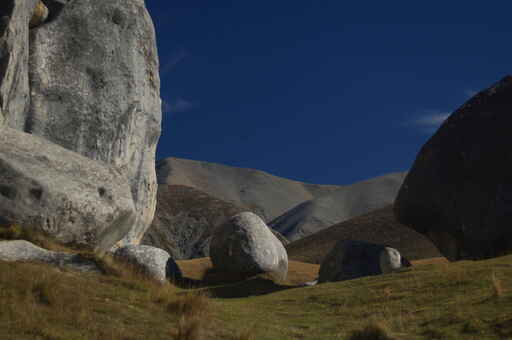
{"points": [[245, 245], [459, 190], [353, 259]]}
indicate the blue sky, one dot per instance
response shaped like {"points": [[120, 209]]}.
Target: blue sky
{"points": [[327, 92]]}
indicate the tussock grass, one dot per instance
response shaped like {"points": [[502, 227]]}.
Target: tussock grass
{"points": [[462, 300], [374, 331]]}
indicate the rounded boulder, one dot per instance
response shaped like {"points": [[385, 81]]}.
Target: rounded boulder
{"points": [[245, 245], [353, 259]]}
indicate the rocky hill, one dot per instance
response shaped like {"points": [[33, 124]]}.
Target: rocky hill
{"points": [[379, 226], [340, 205]]}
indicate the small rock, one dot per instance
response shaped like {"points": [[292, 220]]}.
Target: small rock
{"points": [[154, 262]]}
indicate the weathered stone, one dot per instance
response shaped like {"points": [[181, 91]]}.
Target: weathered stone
{"points": [[353, 259], [14, 54], [185, 219], [24, 251], [153, 262], [39, 15], [70, 197], [94, 88], [245, 245], [459, 190]]}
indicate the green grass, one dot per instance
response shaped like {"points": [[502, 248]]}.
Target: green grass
{"points": [[463, 300]]}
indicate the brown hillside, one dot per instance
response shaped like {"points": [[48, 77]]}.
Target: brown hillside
{"points": [[378, 226]]}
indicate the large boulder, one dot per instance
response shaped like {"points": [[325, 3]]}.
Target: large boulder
{"points": [[24, 251], [353, 259], [244, 245], [94, 89], [14, 54], [152, 262], [459, 190], [185, 219], [70, 197]]}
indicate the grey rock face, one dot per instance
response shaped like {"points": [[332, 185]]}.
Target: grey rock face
{"points": [[153, 262], [70, 197], [262, 193], [24, 251], [459, 190], [185, 219], [245, 245], [353, 259], [94, 88], [340, 205], [14, 54]]}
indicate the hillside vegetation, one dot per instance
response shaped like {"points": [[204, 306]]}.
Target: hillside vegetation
{"points": [[432, 300]]}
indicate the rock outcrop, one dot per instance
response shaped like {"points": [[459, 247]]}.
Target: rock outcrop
{"points": [[153, 262], [68, 196], [459, 190], [379, 226], [94, 90], [24, 251], [14, 54], [185, 219], [353, 259], [244, 245], [340, 205]]}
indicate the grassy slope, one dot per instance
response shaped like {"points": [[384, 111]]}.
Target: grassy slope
{"points": [[469, 300]]}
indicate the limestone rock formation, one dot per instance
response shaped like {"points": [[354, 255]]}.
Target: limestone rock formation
{"points": [[184, 221], [262, 193], [68, 196], [14, 54], [24, 251], [340, 205], [153, 262], [245, 245], [353, 259], [379, 226], [94, 89], [459, 190]]}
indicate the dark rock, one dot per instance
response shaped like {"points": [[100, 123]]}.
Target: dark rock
{"points": [[353, 259], [459, 190], [244, 245]]}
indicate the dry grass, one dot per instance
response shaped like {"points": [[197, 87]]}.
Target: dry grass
{"points": [[497, 286], [373, 331]]}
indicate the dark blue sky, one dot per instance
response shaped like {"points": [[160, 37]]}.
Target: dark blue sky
{"points": [[327, 92]]}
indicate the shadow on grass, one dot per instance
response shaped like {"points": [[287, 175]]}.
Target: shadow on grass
{"points": [[251, 287]]}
